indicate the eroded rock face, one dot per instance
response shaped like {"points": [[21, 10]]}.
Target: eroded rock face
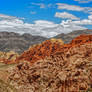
{"points": [[69, 69], [40, 51]]}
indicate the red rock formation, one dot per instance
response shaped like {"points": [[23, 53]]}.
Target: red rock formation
{"points": [[69, 69], [41, 51], [50, 47], [47, 48], [81, 39]]}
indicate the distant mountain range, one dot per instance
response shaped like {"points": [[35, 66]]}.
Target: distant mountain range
{"points": [[70, 36], [16, 42], [19, 43]]}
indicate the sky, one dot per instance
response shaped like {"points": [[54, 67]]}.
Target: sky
{"points": [[37, 16]]}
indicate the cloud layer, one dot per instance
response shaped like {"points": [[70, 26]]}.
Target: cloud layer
{"points": [[66, 15], [63, 6], [69, 7], [40, 27]]}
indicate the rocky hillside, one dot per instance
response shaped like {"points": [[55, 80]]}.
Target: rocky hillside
{"points": [[69, 69], [70, 36], [40, 51], [10, 41], [8, 57]]}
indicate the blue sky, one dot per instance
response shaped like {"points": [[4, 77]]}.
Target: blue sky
{"points": [[46, 18], [33, 10]]}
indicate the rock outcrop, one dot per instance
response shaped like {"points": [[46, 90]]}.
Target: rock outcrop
{"points": [[40, 51], [69, 69]]}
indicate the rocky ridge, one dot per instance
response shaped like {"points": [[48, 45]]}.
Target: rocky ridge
{"points": [[10, 41], [40, 51], [67, 38], [69, 69]]}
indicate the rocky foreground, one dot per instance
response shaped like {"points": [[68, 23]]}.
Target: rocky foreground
{"points": [[68, 69], [51, 66]]}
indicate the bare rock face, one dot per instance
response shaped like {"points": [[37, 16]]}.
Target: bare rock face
{"points": [[67, 70], [40, 51]]}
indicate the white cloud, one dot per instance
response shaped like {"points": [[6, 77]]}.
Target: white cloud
{"points": [[83, 22], [84, 1], [69, 26], [5, 19], [6, 16], [42, 5], [42, 27], [45, 23], [66, 15], [9, 23], [2, 16], [90, 17], [69, 7], [64, 6]]}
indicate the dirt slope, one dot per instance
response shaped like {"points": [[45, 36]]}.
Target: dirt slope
{"points": [[8, 57]]}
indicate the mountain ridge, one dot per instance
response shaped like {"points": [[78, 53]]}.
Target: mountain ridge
{"points": [[70, 36], [11, 41], [16, 42]]}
